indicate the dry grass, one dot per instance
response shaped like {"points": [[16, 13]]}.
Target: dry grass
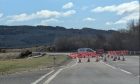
{"points": [[9, 55], [14, 65]]}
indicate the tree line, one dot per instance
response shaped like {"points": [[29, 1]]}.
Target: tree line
{"points": [[124, 39]]}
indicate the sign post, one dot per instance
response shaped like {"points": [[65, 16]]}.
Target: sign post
{"points": [[54, 60]]}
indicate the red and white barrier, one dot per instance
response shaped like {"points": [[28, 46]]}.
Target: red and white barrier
{"points": [[83, 54], [115, 55]]}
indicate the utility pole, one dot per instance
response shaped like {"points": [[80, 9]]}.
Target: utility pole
{"points": [[54, 60]]}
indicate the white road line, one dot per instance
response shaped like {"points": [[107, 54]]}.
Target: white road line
{"points": [[44, 76], [117, 68], [111, 66], [54, 75], [125, 71], [108, 65]]}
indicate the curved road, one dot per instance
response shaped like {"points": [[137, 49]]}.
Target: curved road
{"points": [[111, 72], [98, 73]]}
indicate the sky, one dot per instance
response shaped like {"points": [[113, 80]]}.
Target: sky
{"points": [[98, 14]]}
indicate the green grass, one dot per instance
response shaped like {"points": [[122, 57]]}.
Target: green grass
{"points": [[14, 65]]}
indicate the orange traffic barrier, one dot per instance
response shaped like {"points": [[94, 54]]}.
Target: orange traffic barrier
{"points": [[73, 55], [119, 53]]}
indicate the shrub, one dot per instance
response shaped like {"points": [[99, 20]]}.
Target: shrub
{"points": [[2, 51], [25, 54]]}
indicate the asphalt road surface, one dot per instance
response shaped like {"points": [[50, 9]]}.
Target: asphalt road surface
{"points": [[110, 72], [100, 73], [23, 77]]}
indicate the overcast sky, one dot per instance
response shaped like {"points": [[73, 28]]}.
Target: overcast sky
{"points": [[99, 14]]}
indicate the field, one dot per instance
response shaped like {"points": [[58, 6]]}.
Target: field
{"points": [[9, 55], [14, 65]]}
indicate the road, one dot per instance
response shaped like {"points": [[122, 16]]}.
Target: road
{"points": [[22, 77], [110, 72], [99, 73]]}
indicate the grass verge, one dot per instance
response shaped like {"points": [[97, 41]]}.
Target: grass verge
{"points": [[11, 66]]}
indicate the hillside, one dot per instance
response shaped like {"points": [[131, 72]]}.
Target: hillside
{"points": [[28, 36]]}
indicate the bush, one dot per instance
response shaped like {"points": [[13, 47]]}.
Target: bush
{"points": [[25, 54], [50, 48], [2, 51]]}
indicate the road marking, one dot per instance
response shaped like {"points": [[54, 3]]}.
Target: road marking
{"points": [[108, 65], [54, 75], [111, 66], [44, 76], [125, 71], [117, 68]]}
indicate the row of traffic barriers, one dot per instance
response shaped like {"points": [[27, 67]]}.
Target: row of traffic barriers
{"points": [[82, 55], [114, 55], [118, 53]]}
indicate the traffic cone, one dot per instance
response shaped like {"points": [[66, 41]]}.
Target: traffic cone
{"points": [[123, 59], [108, 56], [105, 60], [88, 60], [79, 60], [114, 59], [97, 59], [119, 58]]}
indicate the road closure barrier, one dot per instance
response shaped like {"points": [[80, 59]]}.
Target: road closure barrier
{"points": [[73, 55], [82, 55], [116, 55], [119, 53]]}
